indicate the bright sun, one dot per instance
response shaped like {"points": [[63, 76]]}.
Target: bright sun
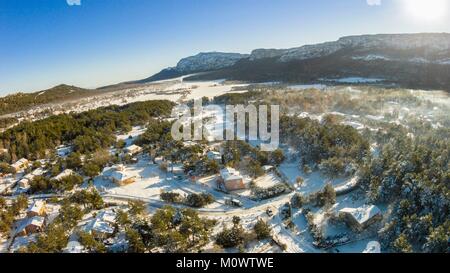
{"points": [[426, 10]]}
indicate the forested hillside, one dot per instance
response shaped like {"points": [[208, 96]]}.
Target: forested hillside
{"points": [[22, 101], [88, 131]]}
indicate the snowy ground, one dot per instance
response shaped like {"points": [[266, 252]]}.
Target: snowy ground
{"points": [[9, 181], [131, 136], [312, 182], [267, 180]]}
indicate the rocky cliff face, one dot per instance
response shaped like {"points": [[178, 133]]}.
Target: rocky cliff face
{"points": [[429, 44], [201, 62], [208, 61]]}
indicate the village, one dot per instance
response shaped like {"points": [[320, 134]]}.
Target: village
{"points": [[275, 194], [297, 205]]}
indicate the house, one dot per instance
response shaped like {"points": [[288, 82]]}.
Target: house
{"points": [[65, 173], [103, 225], [133, 150], [31, 225], [99, 228], [24, 184], [117, 174], [37, 172], [362, 217], [3, 151], [107, 216], [213, 155], [37, 208], [231, 180], [20, 164]]}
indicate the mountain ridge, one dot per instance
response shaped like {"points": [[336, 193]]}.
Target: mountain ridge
{"points": [[410, 60], [367, 55]]}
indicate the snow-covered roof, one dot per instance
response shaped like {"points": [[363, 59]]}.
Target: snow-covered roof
{"points": [[65, 173], [35, 221], [24, 183], [19, 163], [133, 148], [36, 206], [38, 171], [230, 174], [117, 173], [100, 226], [29, 176], [73, 247], [107, 216], [362, 214]]}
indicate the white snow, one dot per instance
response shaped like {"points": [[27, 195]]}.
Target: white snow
{"points": [[356, 80], [267, 180]]}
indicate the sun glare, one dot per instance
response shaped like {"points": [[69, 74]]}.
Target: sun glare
{"points": [[426, 10]]}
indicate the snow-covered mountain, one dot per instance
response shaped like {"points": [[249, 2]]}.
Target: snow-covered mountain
{"points": [[202, 62], [412, 60], [429, 44], [208, 61]]}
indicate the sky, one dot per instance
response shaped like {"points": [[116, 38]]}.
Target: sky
{"points": [[92, 43]]}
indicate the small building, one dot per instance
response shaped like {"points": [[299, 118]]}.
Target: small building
{"points": [[103, 225], [99, 229], [37, 208], [37, 172], [117, 174], [3, 151], [23, 184], [231, 180], [20, 164], [133, 150], [31, 225], [362, 217], [213, 155], [107, 216], [65, 173]]}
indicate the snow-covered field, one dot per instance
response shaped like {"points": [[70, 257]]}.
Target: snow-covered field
{"points": [[267, 180], [131, 136], [312, 182]]}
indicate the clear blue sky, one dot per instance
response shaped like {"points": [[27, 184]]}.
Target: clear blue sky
{"points": [[47, 42]]}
